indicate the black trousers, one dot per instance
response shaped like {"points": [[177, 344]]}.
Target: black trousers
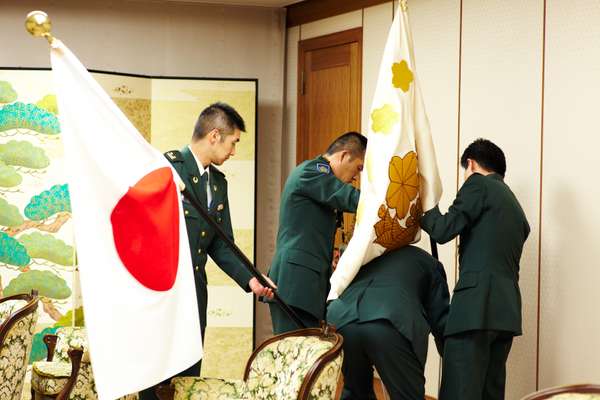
{"points": [[474, 365], [194, 370], [282, 323], [378, 343]]}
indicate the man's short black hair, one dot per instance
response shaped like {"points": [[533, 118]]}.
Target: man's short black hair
{"points": [[487, 155], [353, 142], [220, 116]]}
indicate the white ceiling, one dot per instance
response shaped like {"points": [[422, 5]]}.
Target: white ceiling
{"points": [[262, 3]]}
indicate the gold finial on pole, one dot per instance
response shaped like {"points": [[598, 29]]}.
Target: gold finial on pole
{"points": [[404, 5], [39, 25]]}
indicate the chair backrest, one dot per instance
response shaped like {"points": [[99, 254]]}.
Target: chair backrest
{"points": [[573, 392], [296, 365], [70, 337], [16, 337]]}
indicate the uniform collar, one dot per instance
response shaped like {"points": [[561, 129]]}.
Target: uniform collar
{"points": [[201, 168], [496, 176], [322, 158]]}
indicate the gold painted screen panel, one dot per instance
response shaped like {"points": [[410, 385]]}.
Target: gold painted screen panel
{"points": [[37, 242]]}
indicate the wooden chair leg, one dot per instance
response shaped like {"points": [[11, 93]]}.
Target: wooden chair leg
{"points": [[75, 356], [165, 392]]}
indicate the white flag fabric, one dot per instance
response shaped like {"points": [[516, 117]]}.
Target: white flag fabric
{"points": [[137, 283], [400, 177]]}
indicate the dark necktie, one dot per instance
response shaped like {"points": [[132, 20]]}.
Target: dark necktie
{"points": [[203, 183]]}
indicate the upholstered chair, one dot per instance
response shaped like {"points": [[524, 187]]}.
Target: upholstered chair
{"points": [[573, 392], [18, 316], [303, 364], [57, 377]]}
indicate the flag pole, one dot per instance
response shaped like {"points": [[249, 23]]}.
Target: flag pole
{"points": [[242, 257]]}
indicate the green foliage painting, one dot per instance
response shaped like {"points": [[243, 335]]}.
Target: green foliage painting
{"points": [[28, 116], [12, 252], [48, 103], [23, 154], [48, 203], [9, 177], [9, 214], [47, 283], [7, 93], [36, 250], [48, 248]]}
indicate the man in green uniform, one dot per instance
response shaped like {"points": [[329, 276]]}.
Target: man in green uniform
{"points": [[485, 313], [385, 316], [314, 193], [216, 133]]}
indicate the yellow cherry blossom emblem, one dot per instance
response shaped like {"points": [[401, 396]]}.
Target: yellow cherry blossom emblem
{"points": [[384, 118], [404, 183], [402, 76]]}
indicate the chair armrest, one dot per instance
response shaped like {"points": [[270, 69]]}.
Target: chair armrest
{"points": [[75, 356], [165, 392], [50, 342]]}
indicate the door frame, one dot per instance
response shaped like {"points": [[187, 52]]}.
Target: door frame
{"points": [[322, 42]]}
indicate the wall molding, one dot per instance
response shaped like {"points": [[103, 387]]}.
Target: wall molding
{"points": [[314, 10]]}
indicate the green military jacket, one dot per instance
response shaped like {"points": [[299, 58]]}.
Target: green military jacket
{"points": [[301, 266], [202, 238], [492, 228], [406, 287]]}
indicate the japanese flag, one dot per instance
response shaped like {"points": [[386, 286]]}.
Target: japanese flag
{"points": [[136, 277]]}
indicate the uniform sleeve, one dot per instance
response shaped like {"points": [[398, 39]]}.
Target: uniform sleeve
{"points": [[325, 188], [465, 209], [437, 305], [224, 257]]}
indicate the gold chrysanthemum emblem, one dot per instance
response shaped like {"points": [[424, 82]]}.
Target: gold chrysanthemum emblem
{"points": [[402, 195], [404, 183]]}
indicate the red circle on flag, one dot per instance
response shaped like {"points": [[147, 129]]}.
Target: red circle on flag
{"points": [[145, 225]]}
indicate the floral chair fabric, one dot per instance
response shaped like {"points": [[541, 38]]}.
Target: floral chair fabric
{"points": [[50, 377], [276, 373], [15, 347]]}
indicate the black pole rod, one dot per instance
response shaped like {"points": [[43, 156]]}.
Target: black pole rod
{"points": [[434, 250], [242, 257]]}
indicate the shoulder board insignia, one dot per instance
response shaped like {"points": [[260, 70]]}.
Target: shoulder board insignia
{"points": [[174, 155], [324, 168]]}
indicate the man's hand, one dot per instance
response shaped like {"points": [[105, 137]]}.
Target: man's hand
{"points": [[260, 290]]}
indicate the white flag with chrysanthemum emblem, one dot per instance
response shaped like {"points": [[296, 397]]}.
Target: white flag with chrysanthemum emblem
{"points": [[401, 177]]}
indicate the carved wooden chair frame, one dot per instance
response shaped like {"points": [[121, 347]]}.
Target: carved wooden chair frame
{"points": [[29, 308], [548, 393], [326, 332]]}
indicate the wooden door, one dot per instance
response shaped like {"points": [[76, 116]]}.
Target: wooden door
{"points": [[329, 98], [329, 90]]}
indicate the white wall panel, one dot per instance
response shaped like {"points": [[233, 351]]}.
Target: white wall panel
{"points": [[329, 25], [570, 320], [376, 24], [501, 98], [435, 29]]}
